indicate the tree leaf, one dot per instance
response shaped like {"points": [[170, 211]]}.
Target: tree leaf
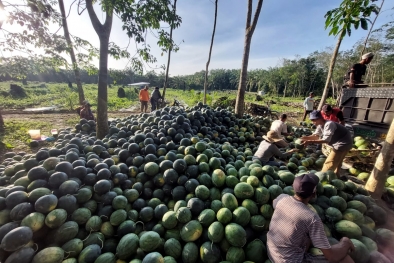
{"points": [[356, 24], [364, 23]]}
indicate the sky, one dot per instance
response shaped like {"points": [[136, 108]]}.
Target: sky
{"points": [[285, 28]]}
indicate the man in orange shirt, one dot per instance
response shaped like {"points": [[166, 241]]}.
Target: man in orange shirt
{"points": [[144, 99]]}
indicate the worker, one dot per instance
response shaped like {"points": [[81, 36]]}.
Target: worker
{"points": [[155, 98], [308, 105], [144, 99], [86, 112], [269, 148], [333, 114], [356, 71], [295, 227], [280, 126], [335, 135]]}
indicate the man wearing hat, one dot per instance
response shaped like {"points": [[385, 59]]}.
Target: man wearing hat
{"points": [[268, 148], [335, 135], [294, 228], [332, 114], [355, 73]]}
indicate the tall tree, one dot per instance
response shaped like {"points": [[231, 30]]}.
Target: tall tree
{"points": [[210, 52], [70, 50], [138, 18], [377, 179], [340, 20], [249, 30], [169, 55], [103, 31]]}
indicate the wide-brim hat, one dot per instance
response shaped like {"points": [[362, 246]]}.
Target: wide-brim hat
{"points": [[273, 137]]}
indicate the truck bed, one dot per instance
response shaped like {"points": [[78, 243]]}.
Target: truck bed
{"points": [[369, 110]]}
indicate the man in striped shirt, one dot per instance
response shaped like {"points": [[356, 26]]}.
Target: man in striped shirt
{"points": [[295, 227]]}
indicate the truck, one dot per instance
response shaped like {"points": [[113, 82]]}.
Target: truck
{"points": [[369, 109]]}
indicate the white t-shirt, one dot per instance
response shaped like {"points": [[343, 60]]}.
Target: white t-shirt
{"points": [[279, 126], [308, 103]]}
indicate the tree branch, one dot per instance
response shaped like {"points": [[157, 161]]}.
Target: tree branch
{"points": [[256, 15], [249, 15], [98, 27], [108, 20]]}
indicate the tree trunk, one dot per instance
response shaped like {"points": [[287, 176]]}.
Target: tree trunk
{"points": [[102, 98], [330, 71], [333, 89], [169, 59], [377, 179], [284, 91], [210, 52], [70, 49], [103, 31], [1, 121], [239, 104]]}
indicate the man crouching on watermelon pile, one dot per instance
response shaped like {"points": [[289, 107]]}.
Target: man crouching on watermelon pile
{"points": [[335, 135], [296, 232]]}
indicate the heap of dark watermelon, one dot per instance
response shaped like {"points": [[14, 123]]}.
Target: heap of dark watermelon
{"points": [[171, 186]]}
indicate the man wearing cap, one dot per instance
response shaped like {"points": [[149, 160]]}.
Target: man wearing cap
{"points": [[308, 105], [335, 135], [356, 71], [280, 126], [332, 114], [295, 227], [144, 98], [268, 148]]}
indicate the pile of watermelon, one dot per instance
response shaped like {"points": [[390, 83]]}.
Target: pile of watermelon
{"points": [[171, 186]]}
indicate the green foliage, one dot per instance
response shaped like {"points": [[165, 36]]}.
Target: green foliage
{"points": [[350, 13]]}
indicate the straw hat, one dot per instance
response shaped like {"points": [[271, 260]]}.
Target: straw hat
{"points": [[273, 137]]}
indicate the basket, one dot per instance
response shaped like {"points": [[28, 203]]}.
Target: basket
{"points": [[365, 156]]}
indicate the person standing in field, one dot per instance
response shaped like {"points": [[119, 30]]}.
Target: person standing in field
{"points": [[356, 71], [144, 99], [154, 100], [280, 126], [308, 105]]}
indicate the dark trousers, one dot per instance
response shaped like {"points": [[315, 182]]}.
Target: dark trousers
{"points": [[154, 104], [144, 106], [306, 112]]}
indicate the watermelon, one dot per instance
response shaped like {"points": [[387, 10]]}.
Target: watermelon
{"points": [[348, 229], [243, 191], [191, 231], [360, 253], [229, 201], [209, 252], [235, 234], [216, 232], [149, 241], [173, 248], [127, 246], [235, 254], [50, 255]]}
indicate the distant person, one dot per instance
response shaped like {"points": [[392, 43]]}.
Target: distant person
{"points": [[155, 98], [280, 126], [144, 99], [333, 114], [86, 113], [356, 71], [308, 105], [269, 148], [78, 110]]}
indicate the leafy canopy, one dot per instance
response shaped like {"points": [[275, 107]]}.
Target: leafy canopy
{"points": [[350, 12]]}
